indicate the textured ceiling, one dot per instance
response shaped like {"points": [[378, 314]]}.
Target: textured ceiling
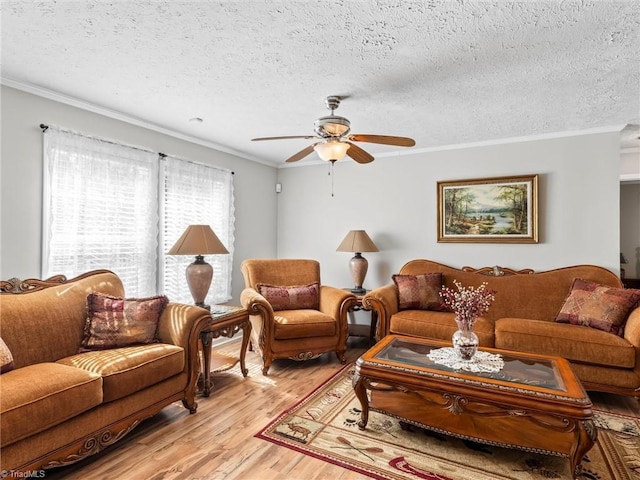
{"points": [[442, 72]]}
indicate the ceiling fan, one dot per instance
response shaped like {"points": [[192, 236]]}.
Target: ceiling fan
{"points": [[335, 142]]}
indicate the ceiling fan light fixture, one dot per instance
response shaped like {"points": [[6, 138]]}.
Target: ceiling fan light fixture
{"points": [[331, 150], [332, 126]]}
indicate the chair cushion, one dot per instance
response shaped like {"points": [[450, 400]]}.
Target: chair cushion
{"points": [[294, 297], [130, 369], [598, 306], [116, 322], [419, 292], [573, 342], [303, 324], [6, 358], [40, 396]]}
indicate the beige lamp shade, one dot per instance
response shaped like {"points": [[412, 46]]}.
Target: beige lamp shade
{"points": [[198, 240], [357, 241]]}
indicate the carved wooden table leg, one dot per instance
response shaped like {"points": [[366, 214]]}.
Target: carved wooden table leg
{"points": [[206, 339], [246, 335], [361, 394], [587, 436]]}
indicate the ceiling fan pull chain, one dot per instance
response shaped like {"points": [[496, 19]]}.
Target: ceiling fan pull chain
{"points": [[331, 174]]}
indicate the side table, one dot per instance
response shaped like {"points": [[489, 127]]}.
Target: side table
{"points": [[226, 321], [356, 330]]}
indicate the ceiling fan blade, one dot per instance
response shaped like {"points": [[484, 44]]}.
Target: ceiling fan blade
{"points": [[283, 138], [301, 154], [383, 139], [358, 154]]}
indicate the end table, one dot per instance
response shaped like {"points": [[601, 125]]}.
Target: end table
{"points": [[361, 330], [225, 321]]}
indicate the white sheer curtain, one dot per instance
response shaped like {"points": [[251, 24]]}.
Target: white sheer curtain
{"points": [[100, 207], [196, 194], [121, 208]]}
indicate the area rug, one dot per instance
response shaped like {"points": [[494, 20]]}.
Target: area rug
{"points": [[324, 425]]}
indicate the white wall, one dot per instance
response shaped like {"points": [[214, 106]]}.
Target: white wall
{"points": [[630, 227], [394, 199], [21, 180]]}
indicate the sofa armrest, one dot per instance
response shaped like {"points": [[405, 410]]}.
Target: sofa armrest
{"points": [[260, 313], [333, 301], [337, 302], [632, 330], [255, 303], [180, 324], [384, 302]]}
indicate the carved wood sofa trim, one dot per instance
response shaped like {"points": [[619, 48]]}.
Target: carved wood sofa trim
{"points": [[498, 271], [16, 286], [96, 441]]}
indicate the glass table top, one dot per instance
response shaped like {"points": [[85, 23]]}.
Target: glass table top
{"points": [[518, 368], [221, 310]]}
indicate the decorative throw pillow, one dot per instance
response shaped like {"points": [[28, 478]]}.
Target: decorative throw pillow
{"points": [[6, 359], [118, 322], [598, 306], [292, 297], [419, 292]]}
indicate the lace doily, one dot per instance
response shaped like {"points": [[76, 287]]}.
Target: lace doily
{"points": [[481, 361]]}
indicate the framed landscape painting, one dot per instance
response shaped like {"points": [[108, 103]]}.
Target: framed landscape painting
{"points": [[489, 210]]}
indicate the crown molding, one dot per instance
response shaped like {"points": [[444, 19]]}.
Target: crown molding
{"points": [[630, 177], [502, 141], [94, 108]]}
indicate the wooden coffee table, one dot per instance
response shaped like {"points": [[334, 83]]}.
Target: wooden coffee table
{"points": [[534, 403]]}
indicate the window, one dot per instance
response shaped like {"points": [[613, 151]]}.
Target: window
{"points": [[196, 194], [121, 208]]}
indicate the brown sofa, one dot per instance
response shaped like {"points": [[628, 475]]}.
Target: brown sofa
{"points": [[522, 318], [58, 406]]}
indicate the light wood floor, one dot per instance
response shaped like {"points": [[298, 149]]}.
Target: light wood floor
{"points": [[218, 441]]}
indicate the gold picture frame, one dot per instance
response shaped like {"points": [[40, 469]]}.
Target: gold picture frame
{"points": [[489, 210]]}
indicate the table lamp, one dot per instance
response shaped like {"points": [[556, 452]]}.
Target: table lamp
{"points": [[357, 241], [198, 240]]}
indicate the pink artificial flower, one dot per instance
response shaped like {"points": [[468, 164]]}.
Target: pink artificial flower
{"points": [[468, 303]]}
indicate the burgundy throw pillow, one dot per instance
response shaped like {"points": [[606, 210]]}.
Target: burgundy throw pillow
{"points": [[294, 297], [598, 306], [6, 358], [118, 322], [419, 292]]}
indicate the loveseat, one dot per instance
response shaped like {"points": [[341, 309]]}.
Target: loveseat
{"points": [[526, 316], [59, 405]]}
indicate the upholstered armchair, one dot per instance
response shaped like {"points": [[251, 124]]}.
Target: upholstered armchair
{"points": [[292, 314]]}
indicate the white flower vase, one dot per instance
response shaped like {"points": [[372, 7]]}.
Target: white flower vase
{"points": [[465, 342]]}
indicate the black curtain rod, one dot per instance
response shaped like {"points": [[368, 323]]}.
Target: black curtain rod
{"points": [[44, 127]]}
